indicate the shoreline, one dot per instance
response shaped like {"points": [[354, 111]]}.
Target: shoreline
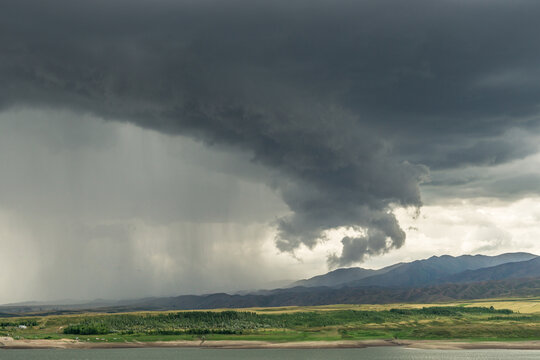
{"points": [[10, 343]]}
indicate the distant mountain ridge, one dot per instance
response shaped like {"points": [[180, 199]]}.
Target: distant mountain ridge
{"points": [[342, 276], [413, 274], [317, 296], [511, 270], [336, 277], [439, 278], [345, 295]]}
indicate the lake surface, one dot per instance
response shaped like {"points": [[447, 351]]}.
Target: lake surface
{"points": [[376, 353]]}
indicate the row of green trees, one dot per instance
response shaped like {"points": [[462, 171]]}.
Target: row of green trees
{"points": [[87, 328], [25, 322], [451, 311]]}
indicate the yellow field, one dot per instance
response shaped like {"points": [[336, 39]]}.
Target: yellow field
{"points": [[524, 306], [521, 305]]}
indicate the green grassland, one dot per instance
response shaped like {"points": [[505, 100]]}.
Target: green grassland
{"points": [[500, 319]]}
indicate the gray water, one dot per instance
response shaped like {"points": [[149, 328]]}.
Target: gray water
{"points": [[379, 353]]}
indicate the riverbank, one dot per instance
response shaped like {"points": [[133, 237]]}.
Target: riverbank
{"points": [[10, 343]]}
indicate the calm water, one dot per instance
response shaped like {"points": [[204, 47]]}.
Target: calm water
{"points": [[381, 353]]}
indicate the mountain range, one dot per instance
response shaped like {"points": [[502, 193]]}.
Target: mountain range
{"points": [[436, 269], [439, 278]]}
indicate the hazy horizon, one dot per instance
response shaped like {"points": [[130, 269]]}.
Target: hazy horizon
{"points": [[263, 286]]}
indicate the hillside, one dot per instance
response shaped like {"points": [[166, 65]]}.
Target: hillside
{"points": [[417, 273], [345, 295], [310, 296], [431, 280], [336, 277], [522, 269]]}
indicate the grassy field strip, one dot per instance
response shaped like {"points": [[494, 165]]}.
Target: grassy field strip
{"points": [[498, 319], [521, 305]]}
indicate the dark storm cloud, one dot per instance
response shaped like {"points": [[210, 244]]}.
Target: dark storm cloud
{"points": [[482, 184], [346, 100], [481, 152]]}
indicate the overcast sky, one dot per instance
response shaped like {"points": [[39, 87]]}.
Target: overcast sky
{"points": [[172, 147]]}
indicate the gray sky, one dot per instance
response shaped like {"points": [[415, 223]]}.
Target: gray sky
{"points": [[172, 147]]}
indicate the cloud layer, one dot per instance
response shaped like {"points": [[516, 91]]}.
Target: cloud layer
{"points": [[346, 103]]}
